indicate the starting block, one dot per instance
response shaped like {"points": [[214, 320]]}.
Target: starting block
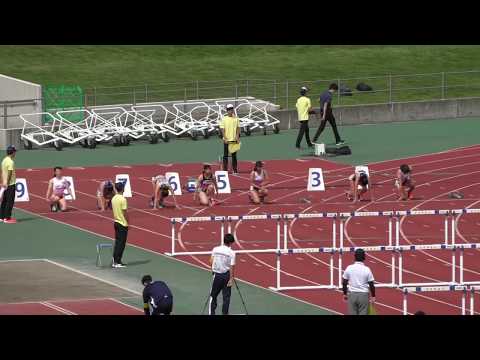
{"points": [[101, 246], [319, 149]]}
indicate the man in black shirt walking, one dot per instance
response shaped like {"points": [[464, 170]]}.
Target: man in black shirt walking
{"points": [[327, 114], [157, 297]]}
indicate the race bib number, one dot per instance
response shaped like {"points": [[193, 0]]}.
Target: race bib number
{"points": [[125, 180], [223, 182], [70, 196], [21, 191], [174, 180], [315, 180]]}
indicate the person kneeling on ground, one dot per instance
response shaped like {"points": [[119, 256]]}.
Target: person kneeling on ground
{"points": [[404, 182], [57, 186], [161, 190], [157, 297], [259, 180], [358, 186], [206, 187], [105, 194]]}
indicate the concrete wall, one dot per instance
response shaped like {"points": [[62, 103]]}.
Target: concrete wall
{"points": [[384, 113], [17, 97]]}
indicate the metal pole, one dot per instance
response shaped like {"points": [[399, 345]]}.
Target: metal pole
{"points": [[390, 241], [340, 262], [405, 293], [285, 230], [390, 96], [453, 230], [222, 232], [443, 85], [453, 265], [446, 230], [278, 270], [461, 265], [464, 298], [472, 299], [397, 231], [338, 92], [278, 234], [331, 269], [173, 238], [274, 91], [229, 226], [334, 233], [400, 268]]}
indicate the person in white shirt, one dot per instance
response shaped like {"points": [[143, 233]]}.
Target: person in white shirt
{"points": [[359, 278], [58, 187], [223, 264]]}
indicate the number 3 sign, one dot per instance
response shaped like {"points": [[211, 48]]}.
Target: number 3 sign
{"points": [[315, 180]]}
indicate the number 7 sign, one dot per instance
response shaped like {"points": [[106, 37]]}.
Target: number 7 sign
{"points": [[315, 180]]}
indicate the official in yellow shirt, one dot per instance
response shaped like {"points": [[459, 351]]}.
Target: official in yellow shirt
{"points": [[230, 128], [120, 217], [7, 188], [304, 108]]}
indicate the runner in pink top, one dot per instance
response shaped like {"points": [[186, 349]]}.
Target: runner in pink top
{"points": [[58, 187]]}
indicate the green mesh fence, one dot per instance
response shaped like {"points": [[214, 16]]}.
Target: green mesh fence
{"points": [[63, 97]]}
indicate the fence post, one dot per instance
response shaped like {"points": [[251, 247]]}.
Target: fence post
{"points": [[390, 99], [443, 85], [289, 115], [338, 91], [274, 91], [146, 93]]}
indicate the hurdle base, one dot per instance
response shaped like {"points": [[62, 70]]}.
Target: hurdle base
{"points": [[315, 287], [169, 254]]}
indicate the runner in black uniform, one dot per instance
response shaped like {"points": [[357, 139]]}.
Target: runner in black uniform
{"points": [[206, 187]]}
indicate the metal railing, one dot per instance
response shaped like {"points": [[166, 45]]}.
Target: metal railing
{"points": [[386, 89]]}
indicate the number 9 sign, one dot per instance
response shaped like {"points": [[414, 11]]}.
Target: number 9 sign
{"points": [[315, 180], [21, 191]]}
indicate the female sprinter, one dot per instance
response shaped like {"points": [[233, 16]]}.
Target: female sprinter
{"points": [[404, 182], [259, 179], [56, 191], [358, 185], [206, 187], [161, 190], [105, 194]]}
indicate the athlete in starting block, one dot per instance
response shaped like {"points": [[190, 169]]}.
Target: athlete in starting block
{"points": [[259, 181], [57, 186], [206, 187], [358, 185], [404, 182], [105, 193], [161, 190]]}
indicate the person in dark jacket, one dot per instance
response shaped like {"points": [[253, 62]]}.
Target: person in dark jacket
{"points": [[157, 297]]}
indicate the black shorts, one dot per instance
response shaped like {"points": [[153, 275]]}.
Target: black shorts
{"points": [[165, 308]]}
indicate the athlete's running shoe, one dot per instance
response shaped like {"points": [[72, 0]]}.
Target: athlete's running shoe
{"points": [[341, 142], [10, 221], [119, 265]]}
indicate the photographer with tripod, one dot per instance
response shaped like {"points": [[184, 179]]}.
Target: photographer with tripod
{"points": [[223, 265]]}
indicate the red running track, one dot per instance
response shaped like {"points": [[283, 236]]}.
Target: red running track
{"points": [[436, 175], [70, 307]]}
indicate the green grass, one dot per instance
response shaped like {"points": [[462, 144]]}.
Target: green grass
{"points": [[113, 66]]}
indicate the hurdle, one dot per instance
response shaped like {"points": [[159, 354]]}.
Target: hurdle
{"points": [[452, 288], [226, 224]]}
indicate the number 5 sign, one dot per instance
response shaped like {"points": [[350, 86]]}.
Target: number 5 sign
{"points": [[223, 182], [315, 180], [21, 191]]}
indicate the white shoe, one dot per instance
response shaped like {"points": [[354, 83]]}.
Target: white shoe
{"points": [[119, 265]]}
